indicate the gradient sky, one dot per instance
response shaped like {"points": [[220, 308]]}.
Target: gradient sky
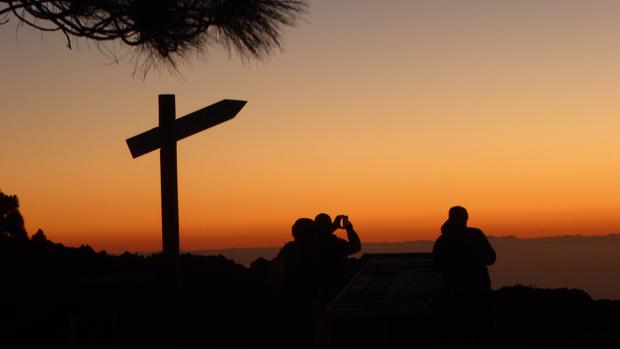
{"points": [[388, 111]]}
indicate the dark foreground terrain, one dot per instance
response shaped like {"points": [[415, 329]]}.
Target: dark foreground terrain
{"points": [[54, 296]]}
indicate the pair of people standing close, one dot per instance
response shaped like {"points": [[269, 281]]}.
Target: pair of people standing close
{"points": [[316, 260], [314, 267]]}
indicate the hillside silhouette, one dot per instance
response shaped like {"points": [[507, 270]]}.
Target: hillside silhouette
{"points": [[76, 297]]}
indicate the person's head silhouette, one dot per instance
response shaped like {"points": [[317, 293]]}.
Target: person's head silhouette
{"points": [[324, 224], [457, 216], [303, 230]]}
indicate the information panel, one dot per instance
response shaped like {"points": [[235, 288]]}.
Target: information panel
{"points": [[400, 282]]}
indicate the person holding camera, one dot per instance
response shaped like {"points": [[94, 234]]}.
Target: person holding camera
{"points": [[333, 253], [333, 267]]}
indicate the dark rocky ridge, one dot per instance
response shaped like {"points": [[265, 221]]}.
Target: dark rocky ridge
{"points": [[56, 296]]}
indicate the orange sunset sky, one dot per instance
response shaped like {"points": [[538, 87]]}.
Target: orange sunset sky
{"points": [[388, 111]]}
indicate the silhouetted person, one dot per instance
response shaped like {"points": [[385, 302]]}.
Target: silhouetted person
{"points": [[297, 258], [296, 261], [333, 253], [462, 253], [333, 267]]}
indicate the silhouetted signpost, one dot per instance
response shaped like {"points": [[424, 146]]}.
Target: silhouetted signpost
{"points": [[165, 138]]}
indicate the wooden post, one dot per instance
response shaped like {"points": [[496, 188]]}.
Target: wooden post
{"points": [[165, 137], [170, 222]]}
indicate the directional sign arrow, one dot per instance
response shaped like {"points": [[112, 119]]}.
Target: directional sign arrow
{"points": [[186, 126]]}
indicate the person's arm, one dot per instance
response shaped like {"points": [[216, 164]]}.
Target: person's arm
{"points": [[487, 252], [283, 257], [491, 255], [355, 244], [282, 252]]}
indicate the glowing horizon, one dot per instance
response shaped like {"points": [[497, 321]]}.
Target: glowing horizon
{"points": [[390, 114]]}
